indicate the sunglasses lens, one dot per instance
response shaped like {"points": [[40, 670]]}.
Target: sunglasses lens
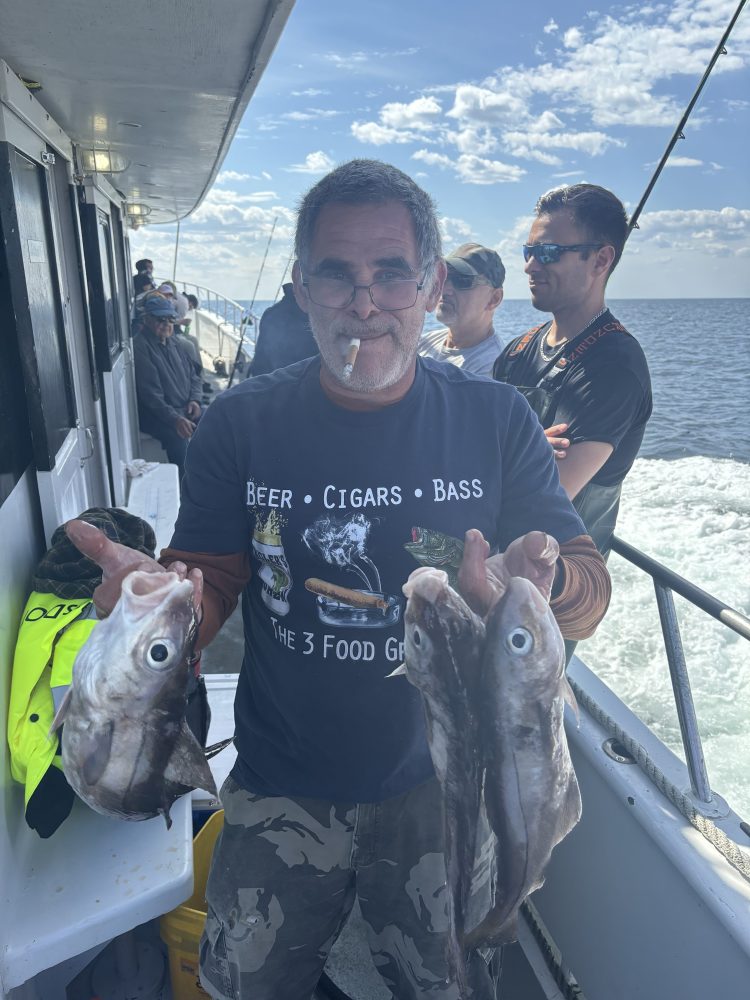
{"points": [[545, 253]]}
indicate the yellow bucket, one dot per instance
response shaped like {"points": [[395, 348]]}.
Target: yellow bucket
{"points": [[182, 928]]}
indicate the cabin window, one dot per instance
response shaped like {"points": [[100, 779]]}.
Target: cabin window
{"points": [[32, 294]]}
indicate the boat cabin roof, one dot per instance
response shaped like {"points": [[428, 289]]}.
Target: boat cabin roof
{"points": [[160, 88]]}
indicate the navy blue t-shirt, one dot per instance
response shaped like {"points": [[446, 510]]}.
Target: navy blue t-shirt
{"points": [[356, 500]]}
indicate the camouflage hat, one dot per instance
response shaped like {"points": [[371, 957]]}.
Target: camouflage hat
{"points": [[474, 260]]}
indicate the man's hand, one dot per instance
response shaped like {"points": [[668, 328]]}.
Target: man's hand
{"points": [[558, 443], [193, 410], [483, 581], [117, 561], [184, 427]]}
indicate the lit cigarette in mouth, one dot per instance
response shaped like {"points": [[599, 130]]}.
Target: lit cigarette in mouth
{"points": [[351, 357]]}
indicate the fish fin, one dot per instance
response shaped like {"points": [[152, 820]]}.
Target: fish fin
{"points": [[400, 669], [164, 811], [188, 765], [62, 711], [569, 696], [96, 748]]}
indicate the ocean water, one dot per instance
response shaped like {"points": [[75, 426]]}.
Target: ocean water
{"points": [[686, 503]]}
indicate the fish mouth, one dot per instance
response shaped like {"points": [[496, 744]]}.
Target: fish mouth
{"points": [[145, 592], [427, 582]]}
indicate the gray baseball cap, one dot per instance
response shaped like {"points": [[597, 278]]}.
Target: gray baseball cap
{"points": [[474, 260]]}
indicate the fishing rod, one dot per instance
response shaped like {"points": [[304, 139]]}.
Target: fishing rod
{"points": [[247, 320], [678, 133], [281, 283]]}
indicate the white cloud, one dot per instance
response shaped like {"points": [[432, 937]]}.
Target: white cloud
{"points": [[349, 61], [476, 170], [551, 27], [683, 161], [529, 143], [221, 196], [486, 106], [572, 38], [419, 114], [432, 159], [311, 114], [473, 139], [472, 169], [225, 176], [454, 230], [353, 61], [310, 92], [380, 135], [700, 230], [315, 163]]}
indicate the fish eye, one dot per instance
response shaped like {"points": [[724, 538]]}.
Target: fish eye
{"points": [[417, 638], [159, 652], [519, 641]]}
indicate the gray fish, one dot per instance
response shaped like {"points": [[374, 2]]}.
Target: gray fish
{"points": [[126, 748], [531, 793], [443, 640]]}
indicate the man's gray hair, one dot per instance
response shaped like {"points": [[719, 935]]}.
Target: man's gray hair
{"points": [[361, 182]]}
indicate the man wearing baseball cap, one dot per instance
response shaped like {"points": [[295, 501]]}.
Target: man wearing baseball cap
{"points": [[167, 386], [472, 292]]}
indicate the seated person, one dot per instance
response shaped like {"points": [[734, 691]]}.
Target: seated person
{"points": [[167, 387]]}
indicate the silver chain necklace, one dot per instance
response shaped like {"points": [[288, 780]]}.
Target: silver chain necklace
{"points": [[549, 357]]}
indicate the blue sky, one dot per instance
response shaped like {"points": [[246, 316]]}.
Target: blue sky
{"points": [[488, 105]]}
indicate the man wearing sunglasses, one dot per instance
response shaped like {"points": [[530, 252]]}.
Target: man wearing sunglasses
{"points": [[472, 292], [582, 368], [167, 386]]}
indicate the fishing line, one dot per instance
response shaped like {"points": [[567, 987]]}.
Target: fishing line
{"points": [[250, 309]]}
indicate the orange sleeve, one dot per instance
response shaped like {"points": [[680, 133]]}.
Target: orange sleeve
{"points": [[584, 589], [224, 578]]}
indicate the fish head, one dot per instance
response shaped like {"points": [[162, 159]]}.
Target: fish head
{"points": [[148, 637], [158, 619], [442, 635], [523, 636]]}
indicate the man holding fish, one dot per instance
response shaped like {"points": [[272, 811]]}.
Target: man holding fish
{"points": [[305, 489]]}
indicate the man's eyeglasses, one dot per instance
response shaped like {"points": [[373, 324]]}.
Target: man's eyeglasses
{"points": [[550, 253], [463, 282], [390, 295]]}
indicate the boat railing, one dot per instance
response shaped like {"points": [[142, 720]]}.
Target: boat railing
{"points": [[666, 583]]}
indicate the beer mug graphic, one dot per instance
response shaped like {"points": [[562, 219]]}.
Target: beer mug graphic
{"points": [[274, 573]]}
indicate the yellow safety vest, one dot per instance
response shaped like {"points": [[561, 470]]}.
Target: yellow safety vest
{"points": [[50, 635]]}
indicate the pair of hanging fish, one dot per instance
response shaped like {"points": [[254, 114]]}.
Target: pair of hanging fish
{"points": [[493, 696]]}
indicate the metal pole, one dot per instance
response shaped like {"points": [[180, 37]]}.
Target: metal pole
{"points": [[678, 133], [176, 248], [683, 696]]}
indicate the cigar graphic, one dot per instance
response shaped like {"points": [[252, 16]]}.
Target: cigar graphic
{"points": [[352, 597], [351, 357]]}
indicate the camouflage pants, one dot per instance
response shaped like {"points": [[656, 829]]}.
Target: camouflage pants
{"points": [[284, 876]]}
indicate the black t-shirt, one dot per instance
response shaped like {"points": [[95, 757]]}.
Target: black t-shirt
{"points": [[601, 386], [358, 500]]}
